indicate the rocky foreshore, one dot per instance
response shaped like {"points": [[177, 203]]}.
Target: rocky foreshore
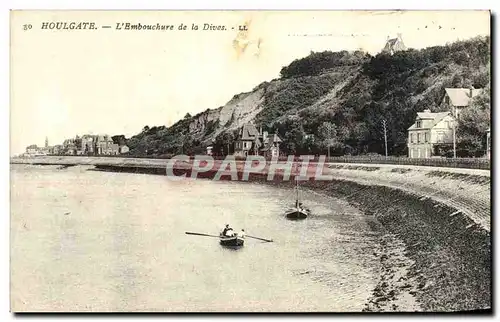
{"points": [[432, 257], [428, 250]]}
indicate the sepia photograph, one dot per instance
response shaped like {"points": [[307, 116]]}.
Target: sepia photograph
{"points": [[333, 161]]}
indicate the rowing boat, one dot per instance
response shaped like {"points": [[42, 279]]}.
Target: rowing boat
{"points": [[233, 241], [236, 240]]}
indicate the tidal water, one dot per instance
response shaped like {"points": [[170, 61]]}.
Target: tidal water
{"points": [[84, 240]]}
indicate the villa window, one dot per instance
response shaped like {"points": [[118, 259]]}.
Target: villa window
{"points": [[426, 137], [418, 138], [419, 124]]}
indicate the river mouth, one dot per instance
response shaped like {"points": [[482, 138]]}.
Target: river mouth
{"points": [[116, 242], [411, 253]]}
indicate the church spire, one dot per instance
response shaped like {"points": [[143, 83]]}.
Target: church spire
{"points": [[46, 142]]}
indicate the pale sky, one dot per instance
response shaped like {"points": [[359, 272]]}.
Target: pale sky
{"points": [[108, 81]]}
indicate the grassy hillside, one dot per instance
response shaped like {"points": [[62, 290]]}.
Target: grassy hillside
{"points": [[341, 98]]}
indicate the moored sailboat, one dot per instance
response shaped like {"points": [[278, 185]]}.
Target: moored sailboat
{"points": [[297, 212]]}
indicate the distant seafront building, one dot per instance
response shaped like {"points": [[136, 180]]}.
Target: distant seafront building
{"points": [[57, 149], [32, 149], [247, 141], [84, 145], [250, 141], [428, 130], [87, 144], [69, 147], [393, 45], [104, 146]]}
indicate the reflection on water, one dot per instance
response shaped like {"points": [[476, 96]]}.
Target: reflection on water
{"points": [[84, 240]]}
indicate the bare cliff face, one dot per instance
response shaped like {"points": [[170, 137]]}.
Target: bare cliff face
{"points": [[241, 109], [200, 122], [286, 97]]}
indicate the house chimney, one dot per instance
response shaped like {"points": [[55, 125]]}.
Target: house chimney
{"points": [[471, 89], [400, 37]]}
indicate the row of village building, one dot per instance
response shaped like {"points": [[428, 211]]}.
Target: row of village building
{"points": [[430, 129], [84, 145]]}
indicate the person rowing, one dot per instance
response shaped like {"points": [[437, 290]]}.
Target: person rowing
{"points": [[228, 231]]}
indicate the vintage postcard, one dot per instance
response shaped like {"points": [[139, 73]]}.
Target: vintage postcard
{"points": [[250, 161]]}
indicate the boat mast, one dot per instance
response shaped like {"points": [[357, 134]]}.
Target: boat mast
{"points": [[297, 188]]}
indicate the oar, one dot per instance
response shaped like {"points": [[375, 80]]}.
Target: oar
{"points": [[267, 240], [198, 234]]}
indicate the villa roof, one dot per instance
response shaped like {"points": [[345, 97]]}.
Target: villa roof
{"points": [[426, 115], [462, 96], [260, 141], [392, 41], [249, 132], [101, 138]]}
